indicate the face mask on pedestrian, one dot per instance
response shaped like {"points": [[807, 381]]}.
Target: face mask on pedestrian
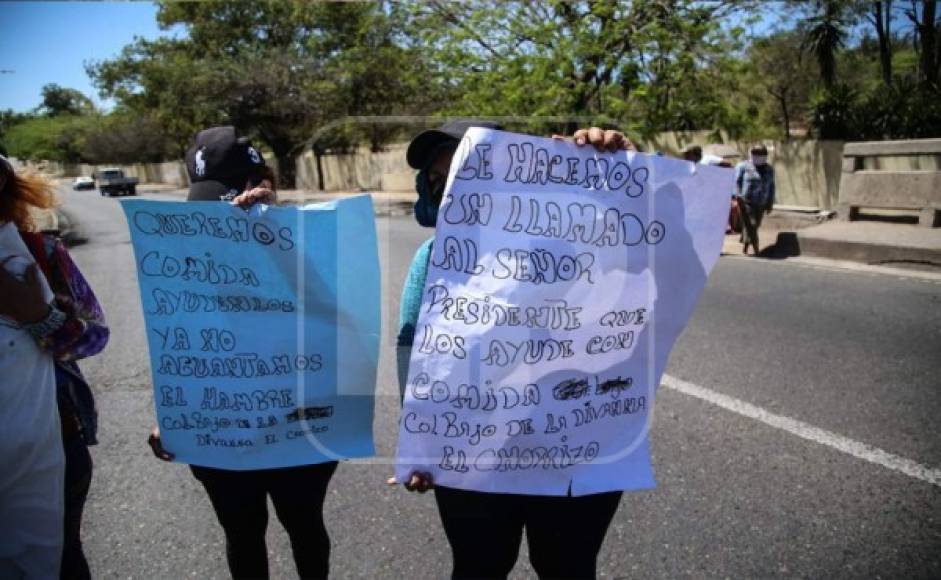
{"points": [[429, 198], [759, 159]]}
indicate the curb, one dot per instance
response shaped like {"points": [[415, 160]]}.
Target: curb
{"points": [[867, 253]]}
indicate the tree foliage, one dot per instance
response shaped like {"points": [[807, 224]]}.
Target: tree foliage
{"points": [[651, 63], [292, 67], [786, 78], [286, 71], [53, 138], [825, 35], [58, 101]]}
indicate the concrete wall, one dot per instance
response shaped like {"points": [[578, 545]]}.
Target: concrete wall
{"points": [[169, 172], [903, 175], [361, 170], [808, 172]]}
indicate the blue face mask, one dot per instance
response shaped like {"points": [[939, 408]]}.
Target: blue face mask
{"points": [[426, 210]]}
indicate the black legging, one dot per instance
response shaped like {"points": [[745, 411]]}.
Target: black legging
{"points": [[239, 499], [485, 529], [78, 471]]}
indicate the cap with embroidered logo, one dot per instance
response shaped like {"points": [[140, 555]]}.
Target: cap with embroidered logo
{"points": [[220, 164]]}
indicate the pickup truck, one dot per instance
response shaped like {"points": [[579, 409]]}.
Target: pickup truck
{"points": [[112, 181]]}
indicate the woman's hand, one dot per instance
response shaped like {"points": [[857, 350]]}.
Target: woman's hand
{"points": [[22, 300], [156, 445], [601, 139], [263, 193], [420, 481]]}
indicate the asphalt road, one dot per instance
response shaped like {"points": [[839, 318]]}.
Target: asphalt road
{"points": [[851, 353]]}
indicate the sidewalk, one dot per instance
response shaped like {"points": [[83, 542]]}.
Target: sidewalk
{"points": [[776, 234], [795, 234], [873, 242]]}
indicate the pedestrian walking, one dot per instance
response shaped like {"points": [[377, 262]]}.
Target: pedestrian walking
{"points": [[754, 193]]}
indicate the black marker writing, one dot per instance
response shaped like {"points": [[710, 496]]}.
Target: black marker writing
{"points": [[194, 269], [580, 222], [552, 315]]}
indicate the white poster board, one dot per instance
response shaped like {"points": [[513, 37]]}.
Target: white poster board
{"points": [[559, 281]]}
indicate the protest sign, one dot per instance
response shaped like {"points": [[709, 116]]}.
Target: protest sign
{"points": [[559, 280], [263, 328]]}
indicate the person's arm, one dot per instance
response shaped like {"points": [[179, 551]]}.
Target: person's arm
{"points": [[739, 176], [23, 300], [83, 331], [771, 193], [409, 308], [156, 445]]}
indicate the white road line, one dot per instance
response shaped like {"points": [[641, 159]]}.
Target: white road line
{"points": [[823, 437]]}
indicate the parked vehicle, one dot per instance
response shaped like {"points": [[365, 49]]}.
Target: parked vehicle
{"points": [[83, 182], [112, 181]]}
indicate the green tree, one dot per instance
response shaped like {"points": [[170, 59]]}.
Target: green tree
{"points": [[126, 137], [880, 15], [275, 70], [781, 71], [8, 119], [58, 101], [926, 25], [162, 80], [58, 138], [825, 35], [662, 64]]}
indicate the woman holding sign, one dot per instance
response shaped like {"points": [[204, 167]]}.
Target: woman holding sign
{"points": [[224, 167], [564, 533]]}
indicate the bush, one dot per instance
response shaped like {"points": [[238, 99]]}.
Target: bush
{"points": [[833, 114], [906, 110], [48, 138]]}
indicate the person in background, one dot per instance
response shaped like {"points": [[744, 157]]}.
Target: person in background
{"points": [[692, 153], [564, 533], [228, 168], [733, 224], [754, 191], [49, 318]]}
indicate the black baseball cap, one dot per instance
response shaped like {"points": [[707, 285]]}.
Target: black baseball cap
{"points": [[426, 142], [220, 164]]}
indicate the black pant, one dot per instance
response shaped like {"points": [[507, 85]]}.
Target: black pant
{"points": [[485, 530], [78, 470], [751, 215], [240, 500]]}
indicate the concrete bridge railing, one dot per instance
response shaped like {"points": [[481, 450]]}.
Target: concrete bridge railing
{"points": [[900, 175]]}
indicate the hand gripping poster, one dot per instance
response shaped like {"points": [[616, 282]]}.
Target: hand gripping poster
{"points": [[559, 280], [263, 329]]}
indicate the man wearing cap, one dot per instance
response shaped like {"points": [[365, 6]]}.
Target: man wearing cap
{"points": [[485, 529], [225, 167]]}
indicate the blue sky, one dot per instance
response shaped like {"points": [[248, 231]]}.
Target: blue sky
{"points": [[49, 42]]}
